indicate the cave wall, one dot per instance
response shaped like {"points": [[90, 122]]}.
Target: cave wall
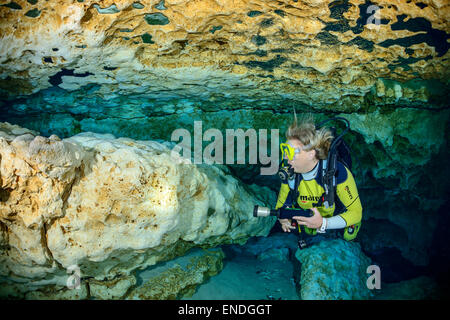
{"points": [[322, 53]]}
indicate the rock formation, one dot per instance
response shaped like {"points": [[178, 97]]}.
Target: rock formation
{"points": [[326, 54], [110, 206], [100, 85], [180, 277], [333, 270]]}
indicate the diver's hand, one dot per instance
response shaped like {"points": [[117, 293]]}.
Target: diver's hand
{"points": [[314, 222], [286, 225]]}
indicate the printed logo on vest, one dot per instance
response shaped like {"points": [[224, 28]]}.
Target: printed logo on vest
{"points": [[305, 199], [348, 191]]}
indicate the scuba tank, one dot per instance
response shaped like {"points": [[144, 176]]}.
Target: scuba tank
{"points": [[339, 150]]}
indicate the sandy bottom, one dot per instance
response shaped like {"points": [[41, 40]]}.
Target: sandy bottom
{"points": [[263, 269], [245, 277]]}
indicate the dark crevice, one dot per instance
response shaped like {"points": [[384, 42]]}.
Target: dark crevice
{"points": [[215, 28], [266, 23], [432, 37], [395, 267], [109, 68], [147, 38], [281, 13], [409, 51], [44, 244], [12, 5], [326, 38], [56, 78], [267, 65], [33, 13], [254, 13], [259, 53], [440, 251], [421, 5], [183, 43], [404, 63], [87, 15], [156, 19], [4, 194], [365, 16], [282, 50], [4, 231], [337, 10], [259, 40], [362, 43], [220, 42], [88, 290]]}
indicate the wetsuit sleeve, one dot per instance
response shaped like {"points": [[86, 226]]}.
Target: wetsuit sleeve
{"points": [[282, 195], [348, 194]]}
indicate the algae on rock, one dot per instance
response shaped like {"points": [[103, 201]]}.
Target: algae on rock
{"points": [[179, 277], [333, 270]]}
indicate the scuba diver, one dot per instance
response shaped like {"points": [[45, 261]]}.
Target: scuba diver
{"points": [[316, 179]]}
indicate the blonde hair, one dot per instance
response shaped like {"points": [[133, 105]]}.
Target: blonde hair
{"points": [[312, 139]]}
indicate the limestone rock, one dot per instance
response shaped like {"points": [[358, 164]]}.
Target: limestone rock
{"points": [[179, 277], [424, 130], [110, 206], [112, 289], [10, 131], [265, 48], [59, 293], [333, 270]]}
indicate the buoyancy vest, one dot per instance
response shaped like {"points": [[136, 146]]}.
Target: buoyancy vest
{"points": [[306, 193]]}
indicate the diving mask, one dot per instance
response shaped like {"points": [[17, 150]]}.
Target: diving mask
{"points": [[288, 152]]}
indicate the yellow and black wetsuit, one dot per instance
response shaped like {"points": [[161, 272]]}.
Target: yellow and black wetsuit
{"points": [[347, 202]]}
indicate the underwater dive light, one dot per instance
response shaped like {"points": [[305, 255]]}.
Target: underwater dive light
{"points": [[282, 213]]}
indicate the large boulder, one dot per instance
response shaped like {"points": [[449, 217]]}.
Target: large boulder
{"points": [[110, 206], [333, 270]]}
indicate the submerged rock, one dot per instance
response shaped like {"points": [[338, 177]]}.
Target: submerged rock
{"points": [[333, 270], [179, 277], [110, 206], [112, 289], [59, 293]]}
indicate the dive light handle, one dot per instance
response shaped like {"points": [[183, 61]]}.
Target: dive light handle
{"points": [[282, 213], [288, 213]]}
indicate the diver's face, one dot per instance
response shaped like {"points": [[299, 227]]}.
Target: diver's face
{"points": [[303, 161]]}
